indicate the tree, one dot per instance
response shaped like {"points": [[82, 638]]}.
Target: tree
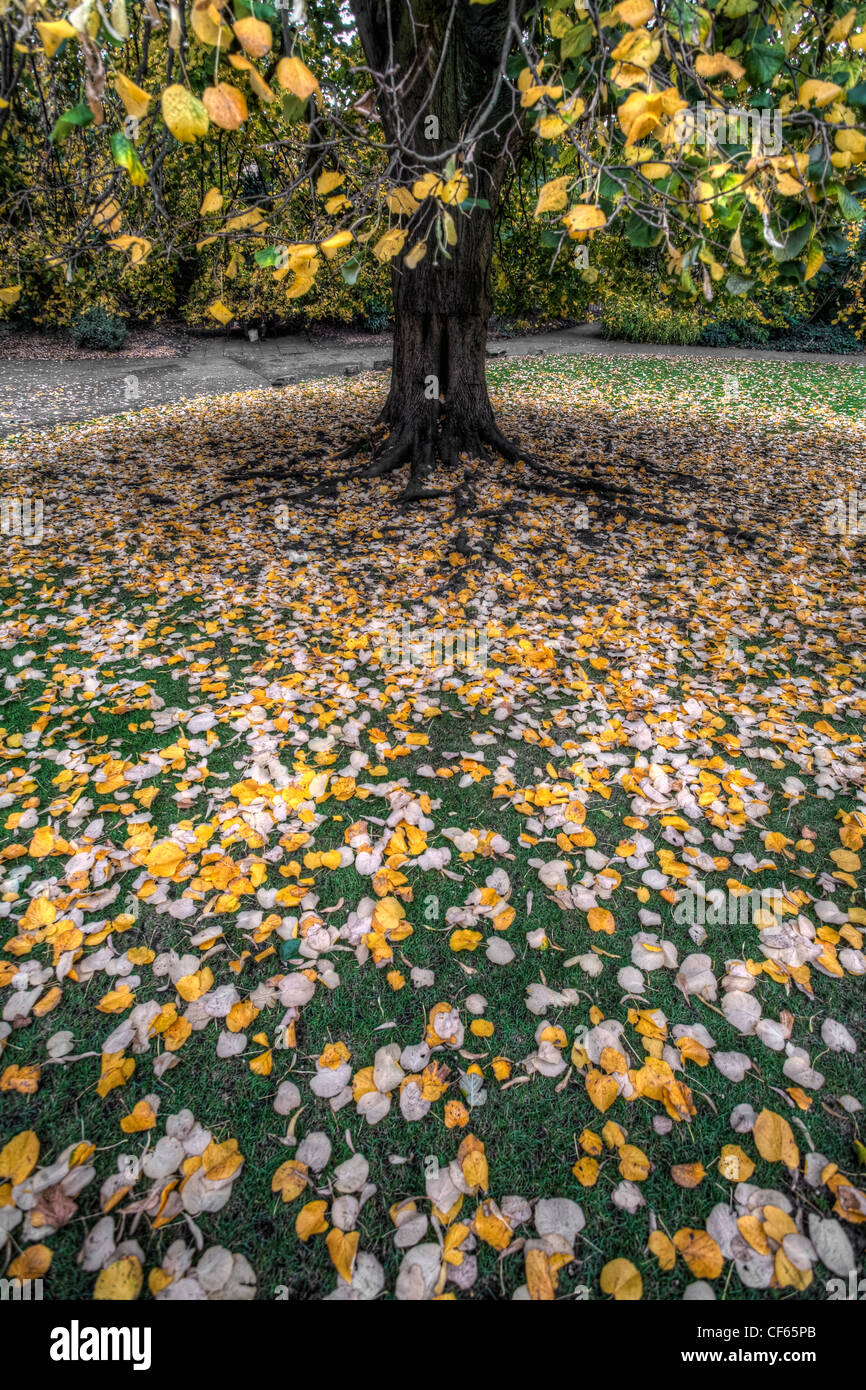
{"points": [[726, 135], [439, 72]]}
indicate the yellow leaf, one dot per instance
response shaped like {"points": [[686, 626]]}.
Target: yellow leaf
{"points": [[613, 1134], [654, 170], [53, 32], [538, 1277], [389, 245], [329, 248], [553, 196], [550, 127], [475, 1172], [465, 940], [116, 1001], [290, 1179], [688, 1174], [295, 77], [491, 1227], [32, 1263], [121, 1282], [221, 1160], [586, 1171], [846, 860], [241, 1015], [211, 202], [734, 1164], [584, 217], [401, 202], [700, 1252], [634, 13], [714, 64], [814, 92], [455, 190], [226, 106], [633, 1163], [301, 285], [165, 858], [620, 1279], [842, 27], [184, 114], [602, 1090], [664, 1250], [263, 1065], [774, 1139], [18, 1158], [218, 311], [482, 1028], [599, 919], [139, 247], [342, 1248], [310, 1220], [42, 843], [328, 180], [416, 255], [209, 27], [140, 1118], [254, 36], [115, 1071], [134, 98]]}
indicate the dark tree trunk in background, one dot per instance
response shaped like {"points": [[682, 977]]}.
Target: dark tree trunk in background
{"points": [[438, 404]]}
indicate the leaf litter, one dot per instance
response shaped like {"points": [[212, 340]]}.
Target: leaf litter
{"points": [[603, 885]]}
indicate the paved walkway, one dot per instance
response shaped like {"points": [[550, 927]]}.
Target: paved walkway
{"points": [[42, 394]]}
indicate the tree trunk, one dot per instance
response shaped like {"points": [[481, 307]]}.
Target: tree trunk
{"points": [[438, 401], [438, 406]]}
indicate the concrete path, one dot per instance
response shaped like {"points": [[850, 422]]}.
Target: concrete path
{"points": [[41, 394]]}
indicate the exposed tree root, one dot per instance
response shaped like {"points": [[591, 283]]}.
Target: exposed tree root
{"points": [[431, 443]]}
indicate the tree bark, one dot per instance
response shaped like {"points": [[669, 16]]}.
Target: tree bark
{"points": [[438, 406]]}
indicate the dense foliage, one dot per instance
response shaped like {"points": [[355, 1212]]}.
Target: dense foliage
{"points": [[723, 137]]}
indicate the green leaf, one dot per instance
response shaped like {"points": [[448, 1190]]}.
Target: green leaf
{"points": [[794, 244], [125, 157], [857, 95], [350, 270], [611, 188], [269, 255], [294, 110], [763, 61], [576, 41], [290, 948], [849, 207], [738, 284], [640, 233]]}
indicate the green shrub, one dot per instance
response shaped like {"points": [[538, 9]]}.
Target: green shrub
{"points": [[97, 328], [817, 337], [377, 314], [725, 332], [638, 321]]}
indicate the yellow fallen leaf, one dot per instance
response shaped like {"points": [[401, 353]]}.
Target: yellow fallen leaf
{"points": [[622, 1281], [342, 1248], [18, 1158], [121, 1282]]}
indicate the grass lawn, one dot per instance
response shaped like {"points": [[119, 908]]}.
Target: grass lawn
{"points": [[214, 777]]}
